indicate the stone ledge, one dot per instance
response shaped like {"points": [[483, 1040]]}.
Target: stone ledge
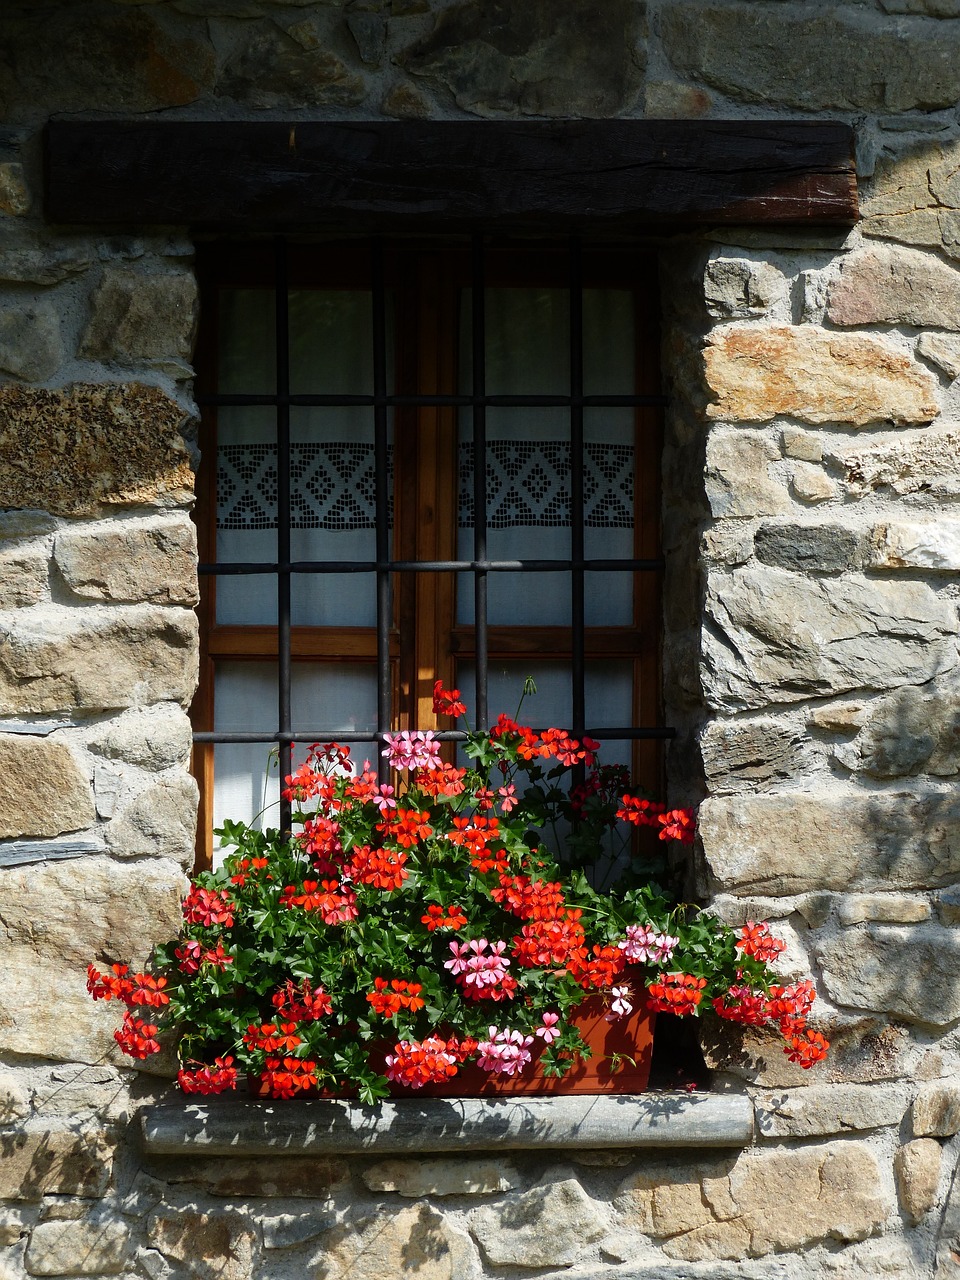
{"points": [[320, 1126]]}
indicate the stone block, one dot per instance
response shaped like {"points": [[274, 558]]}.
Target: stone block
{"points": [[289, 1177], [150, 737], [405, 102], [936, 1110], [81, 1093], [841, 718], [930, 8], [161, 822], [913, 196], [742, 754], [739, 480], [910, 971], [916, 1167], [153, 560], [941, 349], [810, 484], [671, 100], [757, 373], [948, 906], [774, 636], [14, 196], [109, 61], [887, 284], [30, 344], [69, 451], [274, 68], [547, 1226], [79, 1248], [218, 1246], [15, 1224], [823, 1110], [54, 261], [414, 1241], [546, 57], [285, 1230], [139, 316], [830, 839], [14, 1100], [927, 464], [420, 1178], [840, 58], [912, 731], [931, 545], [724, 1210], [806, 548], [43, 792], [885, 908], [803, 445], [105, 912], [39, 1162], [369, 32], [58, 660], [24, 576], [742, 287]]}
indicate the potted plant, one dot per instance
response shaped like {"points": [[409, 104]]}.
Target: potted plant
{"points": [[424, 935]]}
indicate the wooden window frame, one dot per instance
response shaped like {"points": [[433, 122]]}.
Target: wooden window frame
{"points": [[427, 276]]}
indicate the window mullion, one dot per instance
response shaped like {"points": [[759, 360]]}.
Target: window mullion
{"points": [[283, 518]]}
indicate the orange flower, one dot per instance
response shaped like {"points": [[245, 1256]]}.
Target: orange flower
{"points": [[678, 993]]}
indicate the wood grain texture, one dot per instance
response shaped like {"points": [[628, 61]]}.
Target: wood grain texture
{"points": [[425, 175]]}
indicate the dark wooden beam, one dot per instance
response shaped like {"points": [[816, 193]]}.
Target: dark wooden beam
{"points": [[616, 174]]}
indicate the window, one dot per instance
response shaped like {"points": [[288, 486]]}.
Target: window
{"points": [[420, 462]]}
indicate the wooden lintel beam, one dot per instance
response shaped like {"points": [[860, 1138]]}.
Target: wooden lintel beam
{"points": [[449, 175]]}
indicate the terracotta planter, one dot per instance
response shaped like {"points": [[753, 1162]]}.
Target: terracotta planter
{"points": [[622, 1053]]}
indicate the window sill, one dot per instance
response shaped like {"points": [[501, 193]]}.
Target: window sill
{"points": [[224, 1127]]}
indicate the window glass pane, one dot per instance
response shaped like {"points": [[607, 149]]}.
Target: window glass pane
{"points": [[609, 343], [527, 341], [247, 511], [331, 342], [248, 342], [608, 694], [329, 697]]}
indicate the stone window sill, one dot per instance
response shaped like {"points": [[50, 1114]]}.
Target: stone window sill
{"points": [[223, 1127]]}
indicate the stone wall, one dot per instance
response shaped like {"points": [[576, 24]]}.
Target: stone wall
{"points": [[812, 526]]}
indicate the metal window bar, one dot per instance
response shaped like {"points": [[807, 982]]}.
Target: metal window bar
{"points": [[384, 567]]}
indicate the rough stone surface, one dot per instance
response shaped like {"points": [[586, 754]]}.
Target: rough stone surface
{"points": [[906, 544], [54, 261], [916, 1167], [828, 1109], [44, 950], [137, 316], [750, 753], [405, 102], [151, 737], [42, 789], [936, 1110], [739, 480], [829, 839], [546, 58], [809, 484], [706, 1211], [39, 1162], [773, 636], [546, 1226], [312, 1178], [889, 908], [941, 349], [803, 445], [805, 548], [418, 1178], [107, 61], [274, 68], [914, 196], [24, 575], [817, 376], [30, 344], [885, 284], [14, 1100], [15, 1224], [14, 196], [288, 1229], [69, 451], [927, 464], [96, 661], [136, 560], [909, 732], [160, 823], [415, 1241], [95, 1247], [217, 1246], [839, 58], [742, 287], [910, 971], [671, 100]]}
